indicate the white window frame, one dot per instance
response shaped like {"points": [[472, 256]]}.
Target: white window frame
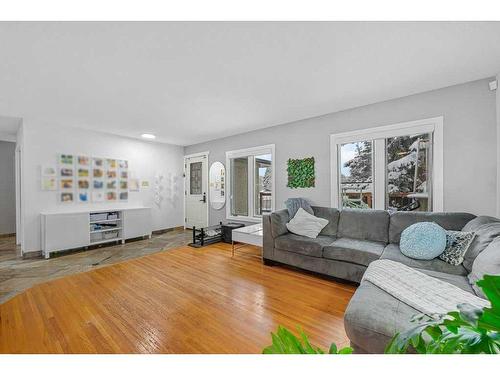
{"points": [[252, 151], [378, 135]]}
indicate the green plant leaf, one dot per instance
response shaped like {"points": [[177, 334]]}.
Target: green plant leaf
{"points": [[469, 330], [333, 349]]}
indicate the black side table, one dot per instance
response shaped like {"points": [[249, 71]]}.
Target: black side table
{"points": [[227, 230]]}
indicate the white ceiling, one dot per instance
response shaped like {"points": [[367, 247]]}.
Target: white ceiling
{"points": [[189, 82]]}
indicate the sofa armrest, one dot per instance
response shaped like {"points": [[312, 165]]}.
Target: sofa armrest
{"points": [[268, 241], [278, 223], [274, 225]]}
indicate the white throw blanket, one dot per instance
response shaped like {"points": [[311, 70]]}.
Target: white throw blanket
{"points": [[418, 290]]}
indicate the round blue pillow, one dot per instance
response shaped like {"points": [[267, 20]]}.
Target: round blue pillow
{"points": [[423, 241]]}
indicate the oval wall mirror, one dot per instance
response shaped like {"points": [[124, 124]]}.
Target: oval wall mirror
{"points": [[217, 185]]}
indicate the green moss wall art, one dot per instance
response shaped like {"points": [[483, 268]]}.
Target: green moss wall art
{"points": [[301, 173]]}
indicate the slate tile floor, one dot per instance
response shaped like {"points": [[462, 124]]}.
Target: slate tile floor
{"points": [[18, 274]]}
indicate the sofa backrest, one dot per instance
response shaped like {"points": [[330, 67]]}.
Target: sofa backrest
{"points": [[330, 214], [448, 220], [360, 224]]}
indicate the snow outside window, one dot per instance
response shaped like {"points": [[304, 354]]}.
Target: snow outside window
{"points": [[396, 167]]}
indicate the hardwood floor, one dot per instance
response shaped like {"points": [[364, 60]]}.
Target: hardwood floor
{"points": [[181, 301]]}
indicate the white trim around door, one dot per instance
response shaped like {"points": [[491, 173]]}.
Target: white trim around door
{"points": [[378, 135], [205, 188]]}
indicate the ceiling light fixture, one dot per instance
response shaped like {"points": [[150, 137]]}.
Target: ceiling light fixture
{"points": [[148, 136]]}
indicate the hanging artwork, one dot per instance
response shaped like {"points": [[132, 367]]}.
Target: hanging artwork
{"points": [[49, 183], [133, 184], [67, 197], [301, 173], [83, 179], [49, 177]]}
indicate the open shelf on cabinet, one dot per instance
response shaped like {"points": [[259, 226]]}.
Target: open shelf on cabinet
{"points": [[105, 230], [105, 226], [105, 241], [105, 221]]}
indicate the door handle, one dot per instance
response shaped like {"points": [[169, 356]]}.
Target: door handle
{"points": [[204, 200]]}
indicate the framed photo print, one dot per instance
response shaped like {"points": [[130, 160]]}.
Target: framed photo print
{"points": [[65, 159], [83, 172], [97, 163], [111, 164], [83, 196], [49, 183], [98, 184], [66, 172], [49, 170], [98, 173], [66, 197], [97, 196], [111, 196], [83, 184], [84, 161], [66, 184]]}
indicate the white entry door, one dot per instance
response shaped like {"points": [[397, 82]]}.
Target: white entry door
{"points": [[196, 194]]}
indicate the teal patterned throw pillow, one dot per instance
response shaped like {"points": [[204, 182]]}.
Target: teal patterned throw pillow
{"points": [[423, 241], [457, 244]]}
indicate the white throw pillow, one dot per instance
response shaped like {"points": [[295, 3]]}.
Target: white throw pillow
{"points": [[305, 224]]}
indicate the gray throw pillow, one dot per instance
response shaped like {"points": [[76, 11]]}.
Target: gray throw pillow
{"points": [[486, 263], [484, 235], [293, 205], [457, 244]]}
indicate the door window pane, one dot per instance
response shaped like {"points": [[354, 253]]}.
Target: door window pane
{"points": [[239, 186], [408, 173], [356, 174], [263, 184], [195, 176]]}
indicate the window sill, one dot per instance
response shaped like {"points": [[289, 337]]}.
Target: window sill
{"points": [[245, 218]]}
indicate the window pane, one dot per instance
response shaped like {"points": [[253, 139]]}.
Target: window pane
{"points": [[195, 175], [239, 186], [408, 173], [263, 184], [356, 174]]}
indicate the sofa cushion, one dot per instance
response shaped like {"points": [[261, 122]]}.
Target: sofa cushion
{"points": [[330, 214], [354, 251], [401, 220], [472, 225], [485, 234], [393, 252], [371, 225], [458, 280], [486, 263], [303, 245], [373, 317]]}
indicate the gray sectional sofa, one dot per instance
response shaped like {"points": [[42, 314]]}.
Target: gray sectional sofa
{"points": [[345, 248]]}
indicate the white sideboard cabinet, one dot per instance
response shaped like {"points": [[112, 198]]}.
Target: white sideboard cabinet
{"points": [[71, 229]]}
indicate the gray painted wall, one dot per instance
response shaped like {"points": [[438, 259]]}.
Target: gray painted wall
{"points": [[470, 151], [7, 188]]}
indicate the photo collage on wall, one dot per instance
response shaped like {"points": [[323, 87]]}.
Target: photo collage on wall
{"points": [[84, 179]]}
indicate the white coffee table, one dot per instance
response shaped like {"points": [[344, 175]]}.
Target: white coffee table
{"points": [[250, 235]]}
